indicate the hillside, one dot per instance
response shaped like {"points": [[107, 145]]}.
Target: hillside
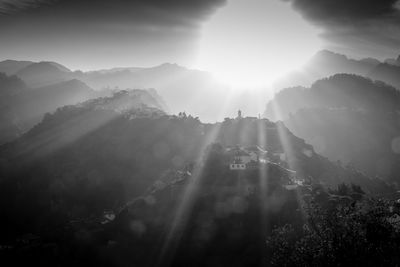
{"points": [[338, 91], [10, 85], [44, 73], [95, 156], [386, 72], [346, 118], [140, 167], [11, 67], [326, 63], [182, 89], [22, 107]]}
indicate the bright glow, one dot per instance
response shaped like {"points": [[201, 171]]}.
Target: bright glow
{"points": [[254, 42]]}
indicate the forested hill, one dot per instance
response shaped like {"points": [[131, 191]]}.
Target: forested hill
{"points": [[338, 91], [347, 118], [90, 157]]}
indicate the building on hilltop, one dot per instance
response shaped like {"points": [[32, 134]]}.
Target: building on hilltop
{"points": [[239, 116], [244, 158]]}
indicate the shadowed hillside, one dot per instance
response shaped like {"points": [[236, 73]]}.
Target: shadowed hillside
{"points": [[326, 63], [22, 107], [346, 118]]}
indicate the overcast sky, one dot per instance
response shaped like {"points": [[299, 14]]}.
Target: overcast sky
{"points": [[92, 34]]}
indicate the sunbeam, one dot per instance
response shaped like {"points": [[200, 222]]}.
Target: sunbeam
{"points": [[184, 208]]}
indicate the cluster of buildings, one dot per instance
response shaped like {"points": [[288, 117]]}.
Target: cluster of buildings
{"points": [[245, 158], [242, 158]]}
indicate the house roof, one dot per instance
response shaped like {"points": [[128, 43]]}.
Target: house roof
{"points": [[236, 151]]}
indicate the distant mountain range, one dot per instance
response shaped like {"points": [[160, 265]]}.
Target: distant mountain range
{"points": [[22, 107], [326, 63], [187, 90], [182, 89]]}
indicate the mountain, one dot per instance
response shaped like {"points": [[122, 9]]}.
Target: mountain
{"points": [[326, 63], [393, 61], [11, 85], [11, 67], [388, 73], [22, 107], [347, 118], [338, 91], [103, 157], [44, 73], [182, 89]]}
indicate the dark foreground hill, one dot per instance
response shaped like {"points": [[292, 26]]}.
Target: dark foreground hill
{"points": [[110, 182], [109, 150], [346, 118]]}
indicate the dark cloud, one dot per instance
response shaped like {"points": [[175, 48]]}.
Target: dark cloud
{"points": [[184, 12], [15, 6], [361, 27], [346, 11], [93, 32]]}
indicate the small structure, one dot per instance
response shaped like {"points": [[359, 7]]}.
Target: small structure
{"points": [[238, 158], [239, 114], [237, 166], [245, 158]]}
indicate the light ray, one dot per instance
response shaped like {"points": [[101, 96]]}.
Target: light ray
{"points": [[58, 137], [185, 206]]}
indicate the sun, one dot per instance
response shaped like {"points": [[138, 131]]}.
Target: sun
{"points": [[255, 42]]}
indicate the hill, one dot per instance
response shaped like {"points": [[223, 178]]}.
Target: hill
{"points": [[11, 67], [182, 89], [88, 164], [43, 74], [347, 118], [326, 63], [22, 107], [386, 72]]}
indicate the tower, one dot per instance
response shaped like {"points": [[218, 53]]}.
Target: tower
{"points": [[239, 114]]}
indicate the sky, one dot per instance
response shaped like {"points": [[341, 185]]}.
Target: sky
{"points": [[254, 42], [95, 34]]}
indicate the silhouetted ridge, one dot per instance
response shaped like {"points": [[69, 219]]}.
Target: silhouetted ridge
{"points": [[326, 63], [388, 73], [338, 91]]}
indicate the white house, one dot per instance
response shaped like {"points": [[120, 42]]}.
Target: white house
{"points": [[237, 166], [241, 157]]}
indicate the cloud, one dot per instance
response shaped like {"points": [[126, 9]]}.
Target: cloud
{"points": [[101, 33], [171, 12], [14, 6], [346, 11], [366, 26]]}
